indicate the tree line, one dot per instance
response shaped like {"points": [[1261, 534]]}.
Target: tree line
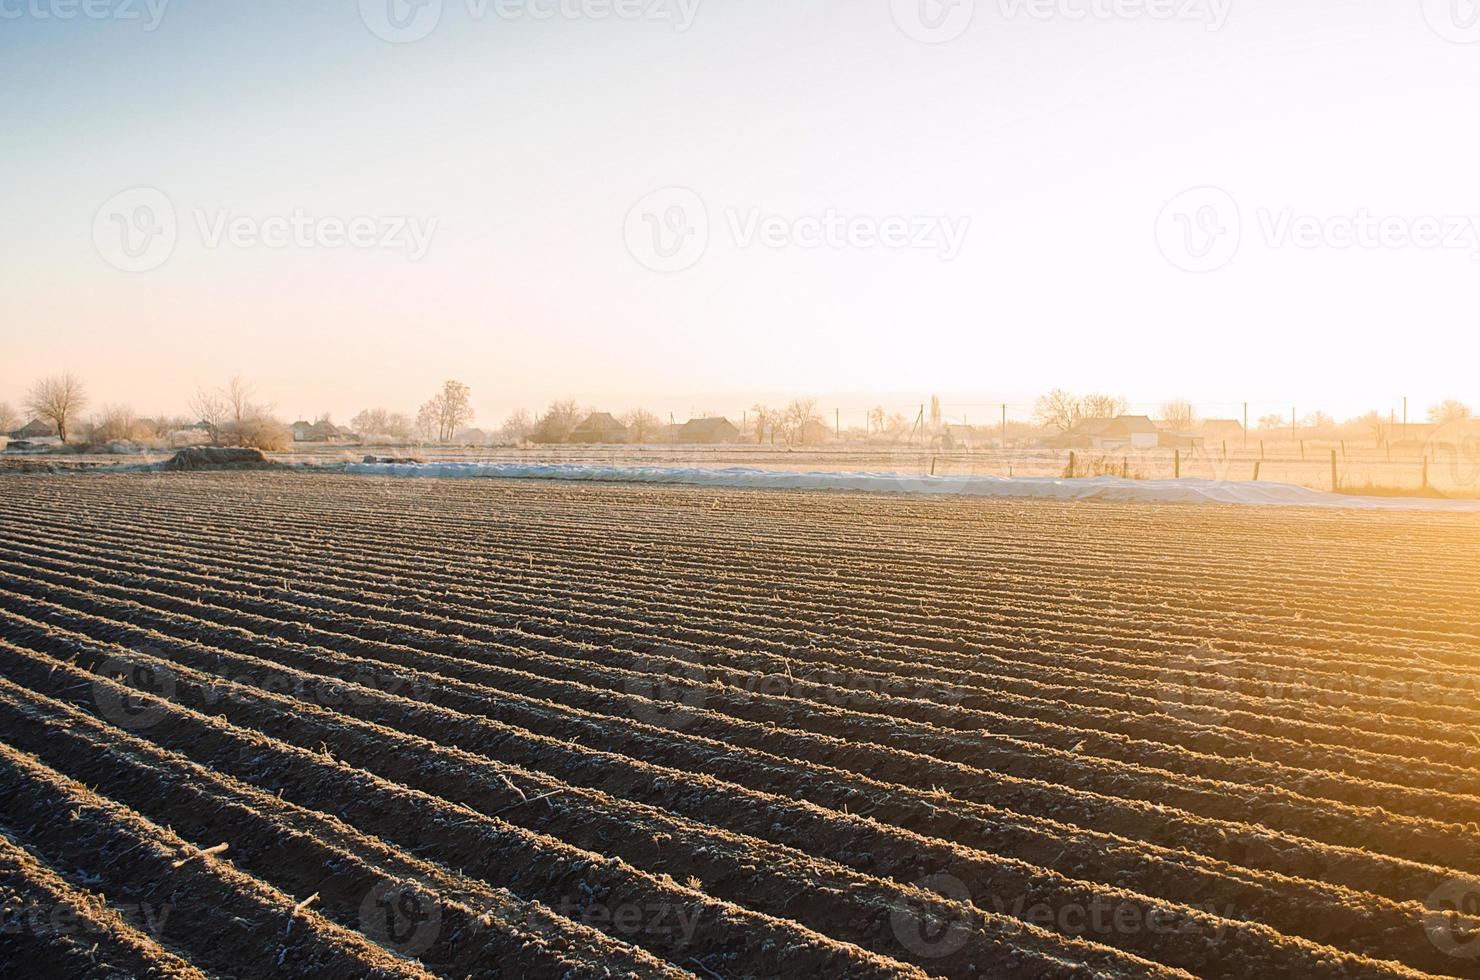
{"points": [[231, 414]]}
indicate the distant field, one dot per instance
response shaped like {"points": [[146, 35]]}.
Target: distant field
{"points": [[461, 728], [1452, 471]]}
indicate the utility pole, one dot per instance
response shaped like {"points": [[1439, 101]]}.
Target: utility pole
{"points": [[838, 422]]}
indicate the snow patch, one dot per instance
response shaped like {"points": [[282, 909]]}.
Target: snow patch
{"points": [[1106, 488]]}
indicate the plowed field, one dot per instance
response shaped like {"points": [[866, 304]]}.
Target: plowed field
{"points": [[291, 724]]}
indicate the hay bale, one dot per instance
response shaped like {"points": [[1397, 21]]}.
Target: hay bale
{"points": [[216, 458]]}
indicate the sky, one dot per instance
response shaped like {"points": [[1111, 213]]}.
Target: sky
{"points": [[692, 205]]}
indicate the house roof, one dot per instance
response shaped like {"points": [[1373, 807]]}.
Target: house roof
{"points": [[706, 430], [1121, 425], [599, 423], [34, 429]]}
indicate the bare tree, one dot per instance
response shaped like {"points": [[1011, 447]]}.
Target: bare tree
{"points": [[876, 419], [765, 418], [9, 420], [1099, 406], [1057, 410], [238, 398], [1273, 421], [116, 423], [1373, 424], [58, 400], [1319, 422], [798, 418], [232, 417], [559, 420], [516, 427], [449, 411], [1179, 414], [374, 422], [641, 425], [1449, 410], [210, 410], [369, 422]]}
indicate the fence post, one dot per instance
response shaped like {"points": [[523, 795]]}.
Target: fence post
{"points": [[1261, 448], [1125, 468], [1071, 465], [1257, 463], [1177, 464]]}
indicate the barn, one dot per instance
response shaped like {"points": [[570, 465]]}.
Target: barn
{"points": [[598, 427]]}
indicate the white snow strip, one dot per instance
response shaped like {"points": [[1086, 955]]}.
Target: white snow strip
{"points": [[1106, 488]]}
